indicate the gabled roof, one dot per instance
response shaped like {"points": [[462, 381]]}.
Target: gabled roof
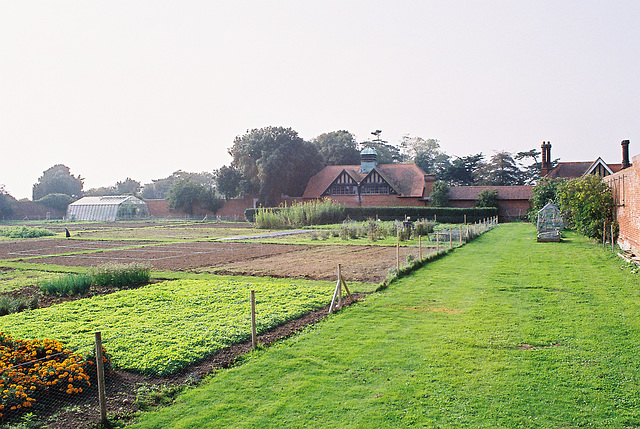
{"points": [[523, 192], [406, 179], [571, 170], [106, 200]]}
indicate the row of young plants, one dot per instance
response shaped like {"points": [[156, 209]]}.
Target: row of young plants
{"points": [[25, 232], [113, 275], [374, 230], [161, 328]]}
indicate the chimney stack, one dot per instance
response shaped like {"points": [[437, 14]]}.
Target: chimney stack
{"points": [[545, 167], [625, 154]]}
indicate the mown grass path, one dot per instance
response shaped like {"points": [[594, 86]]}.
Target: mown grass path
{"points": [[504, 332]]}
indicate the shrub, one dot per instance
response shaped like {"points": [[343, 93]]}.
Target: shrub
{"points": [[423, 227], [545, 191], [56, 201], [588, 205], [10, 305], [26, 232], [487, 198]]}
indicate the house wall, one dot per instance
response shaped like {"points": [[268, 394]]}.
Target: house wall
{"points": [[377, 201], [625, 186]]}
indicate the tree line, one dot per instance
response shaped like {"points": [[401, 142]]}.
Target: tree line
{"points": [[273, 161]]}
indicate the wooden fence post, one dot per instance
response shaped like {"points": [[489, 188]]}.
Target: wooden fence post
{"points": [[612, 245], [420, 247], [604, 234], [465, 219], [398, 256], [254, 341], [102, 399]]}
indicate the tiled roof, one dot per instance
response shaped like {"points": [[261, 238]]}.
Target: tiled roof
{"points": [[571, 170], [406, 179], [504, 192]]}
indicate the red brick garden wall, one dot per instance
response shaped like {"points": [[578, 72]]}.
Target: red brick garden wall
{"points": [[625, 185]]}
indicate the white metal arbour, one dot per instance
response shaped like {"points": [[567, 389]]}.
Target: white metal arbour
{"points": [[108, 208]]}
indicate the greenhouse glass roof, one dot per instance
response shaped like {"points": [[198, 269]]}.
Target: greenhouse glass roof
{"points": [[108, 208]]}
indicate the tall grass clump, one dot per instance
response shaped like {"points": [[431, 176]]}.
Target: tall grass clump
{"points": [[320, 212], [25, 232], [71, 284], [121, 275], [10, 305], [112, 275]]}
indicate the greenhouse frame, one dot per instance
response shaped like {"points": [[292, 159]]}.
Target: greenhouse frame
{"points": [[108, 208]]}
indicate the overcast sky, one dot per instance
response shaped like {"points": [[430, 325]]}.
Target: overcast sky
{"points": [[117, 89]]}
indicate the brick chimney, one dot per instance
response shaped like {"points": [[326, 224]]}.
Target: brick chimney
{"points": [[625, 154], [545, 166]]}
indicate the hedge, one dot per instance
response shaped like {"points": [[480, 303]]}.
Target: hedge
{"points": [[441, 214]]}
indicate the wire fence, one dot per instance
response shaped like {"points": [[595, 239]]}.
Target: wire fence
{"points": [[44, 381]]}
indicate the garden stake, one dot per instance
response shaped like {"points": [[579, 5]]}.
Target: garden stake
{"points": [[420, 247], [253, 319], [100, 369], [398, 256], [612, 249]]}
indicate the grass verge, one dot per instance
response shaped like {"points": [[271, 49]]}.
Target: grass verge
{"points": [[504, 333]]}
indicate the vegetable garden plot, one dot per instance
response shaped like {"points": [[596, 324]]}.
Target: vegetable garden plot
{"points": [[163, 327], [174, 256], [43, 247]]}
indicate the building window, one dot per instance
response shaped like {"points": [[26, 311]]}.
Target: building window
{"points": [[376, 190], [342, 190]]}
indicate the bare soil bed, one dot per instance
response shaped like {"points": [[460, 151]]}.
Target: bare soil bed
{"points": [[13, 249], [360, 263]]}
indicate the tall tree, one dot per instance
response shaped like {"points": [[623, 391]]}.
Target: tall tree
{"points": [[275, 161], [439, 195], [387, 153], [6, 203], [128, 186], [463, 171], [228, 181], [426, 154], [531, 171], [501, 170], [58, 180], [186, 193], [159, 188], [337, 148]]}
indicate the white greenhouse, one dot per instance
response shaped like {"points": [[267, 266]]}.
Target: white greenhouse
{"points": [[108, 208]]}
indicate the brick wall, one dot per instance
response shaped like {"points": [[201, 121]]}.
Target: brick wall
{"points": [[625, 186], [28, 210]]}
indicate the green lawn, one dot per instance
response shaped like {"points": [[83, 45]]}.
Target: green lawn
{"points": [[503, 332]]}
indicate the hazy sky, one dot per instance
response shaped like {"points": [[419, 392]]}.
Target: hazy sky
{"points": [[143, 88]]}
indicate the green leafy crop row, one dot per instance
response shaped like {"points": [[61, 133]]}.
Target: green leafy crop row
{"points": [[163, 327]]}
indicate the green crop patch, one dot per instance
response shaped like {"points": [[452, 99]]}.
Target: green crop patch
{"points": [[163, 327]]}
